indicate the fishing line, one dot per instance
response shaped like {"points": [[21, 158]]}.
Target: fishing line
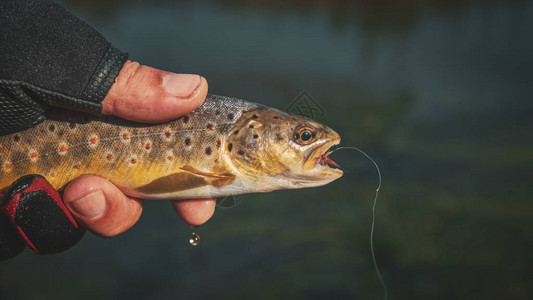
{"points": [[373, 217]]}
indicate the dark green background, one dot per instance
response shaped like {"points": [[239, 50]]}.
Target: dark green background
{"points": [[440, 94]]}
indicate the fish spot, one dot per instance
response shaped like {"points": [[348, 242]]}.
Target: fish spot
{"points": [[8, 166], [186, 119], [93, 141], [110, 157], [77, 166], [208, 150], [169, 156], [275, 117], [168, 135], [147, 145], [187, 141], [210, 126], [52, 128], [230, 146], [63, 148], [278, 137], [34, 155], [251, 126], [53, 174], [16, 138], [256, 136], [125, 137], [132, 160], [255, 116], [236, 132], [240, 152], [217, 112], [231, 116], [218, 144]]}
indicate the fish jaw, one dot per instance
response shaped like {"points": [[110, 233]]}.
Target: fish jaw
{"points": [[316, 169]]}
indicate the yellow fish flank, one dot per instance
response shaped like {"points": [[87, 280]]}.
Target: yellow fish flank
{"points": [[226, 146]]}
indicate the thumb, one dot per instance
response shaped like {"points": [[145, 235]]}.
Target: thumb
{"points": [[144, 94], [100, 206]]}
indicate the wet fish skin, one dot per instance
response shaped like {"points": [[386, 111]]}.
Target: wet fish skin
{"points": [[226, 146]]}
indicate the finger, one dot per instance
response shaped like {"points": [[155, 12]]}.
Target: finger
{"points": [[144, 94], [100, 206], [195, 212]]}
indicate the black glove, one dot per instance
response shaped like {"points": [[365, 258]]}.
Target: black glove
{"points": [[50, 58], [33, 214]]}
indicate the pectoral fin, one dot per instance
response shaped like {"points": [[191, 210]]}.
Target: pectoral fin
{"points": [[189, 178], [172, 183], [217, 179]]}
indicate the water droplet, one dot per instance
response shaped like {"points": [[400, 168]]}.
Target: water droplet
{"points": [[194, 239]]}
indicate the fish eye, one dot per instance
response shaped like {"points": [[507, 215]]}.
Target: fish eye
{"points": [[304, 134]]}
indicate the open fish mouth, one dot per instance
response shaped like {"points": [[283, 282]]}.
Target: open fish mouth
{"points": [[325, 160], [321, 160]]}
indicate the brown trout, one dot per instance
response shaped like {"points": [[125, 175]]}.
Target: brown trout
{"points": [[225, 147]]}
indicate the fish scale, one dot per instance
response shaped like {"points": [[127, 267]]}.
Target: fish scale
{"points": [[214, 151]]}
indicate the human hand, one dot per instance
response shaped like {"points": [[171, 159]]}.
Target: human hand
{"points": [[73, 67]]}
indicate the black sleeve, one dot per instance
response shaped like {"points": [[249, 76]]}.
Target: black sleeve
{"points": [[50, 58]]}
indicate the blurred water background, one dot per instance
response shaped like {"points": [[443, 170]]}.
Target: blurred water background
{"points": [[438, 92]]}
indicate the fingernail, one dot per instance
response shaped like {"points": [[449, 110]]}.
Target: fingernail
{"points": [[181, 85], [90, 206]]}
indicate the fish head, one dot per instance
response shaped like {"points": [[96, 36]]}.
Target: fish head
{"points": [[281, 150]]}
